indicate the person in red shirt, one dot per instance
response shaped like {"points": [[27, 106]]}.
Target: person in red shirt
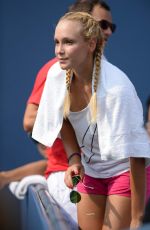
{"points": [[56, 156]]}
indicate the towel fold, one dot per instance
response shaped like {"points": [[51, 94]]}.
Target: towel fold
{"points": [[20, 188]]}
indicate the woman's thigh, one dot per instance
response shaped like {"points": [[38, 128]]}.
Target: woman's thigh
{"points": [[117, 212], [91, 211]]}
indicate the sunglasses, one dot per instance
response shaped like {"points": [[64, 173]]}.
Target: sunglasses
{"points": [[75, 197], [104, 24]]}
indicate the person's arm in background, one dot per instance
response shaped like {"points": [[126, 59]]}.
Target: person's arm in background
{"points": [[17, 174], [28, 122], [34, 100], [33, 168], [37, 167], [29, 117]]}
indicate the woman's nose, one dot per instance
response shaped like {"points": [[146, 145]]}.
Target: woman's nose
{"points": [[60, 49]]}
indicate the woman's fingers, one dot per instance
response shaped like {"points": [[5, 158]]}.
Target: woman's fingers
{"points": [[76, 169]]}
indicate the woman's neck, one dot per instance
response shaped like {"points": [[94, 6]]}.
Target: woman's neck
{"points": [[84, 74]]}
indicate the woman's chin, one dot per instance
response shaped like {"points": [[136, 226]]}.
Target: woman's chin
{"points": [[64, 67]]}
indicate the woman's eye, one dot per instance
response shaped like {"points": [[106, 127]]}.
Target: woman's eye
{"points": [[70, 42], [56, 42]]}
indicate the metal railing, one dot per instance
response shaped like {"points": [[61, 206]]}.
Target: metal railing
{"points": [[41, 212]]}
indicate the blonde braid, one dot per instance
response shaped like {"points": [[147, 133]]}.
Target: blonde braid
{"points": [[67, 100], [93, 101]]}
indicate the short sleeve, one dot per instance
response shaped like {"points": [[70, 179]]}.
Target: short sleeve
{"points": [[39, 83]]}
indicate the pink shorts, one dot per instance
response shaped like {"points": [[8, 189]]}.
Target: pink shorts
{"points": [[147, 183], [117, 185]]}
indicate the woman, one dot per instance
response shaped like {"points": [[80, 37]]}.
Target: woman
{"points": [[56, 165], [94, 105]]}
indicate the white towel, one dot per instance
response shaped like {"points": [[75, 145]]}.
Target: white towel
{"points": [[119, 113], [49, 121], [19, 188]]}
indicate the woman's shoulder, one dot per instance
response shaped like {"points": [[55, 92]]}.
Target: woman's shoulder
{"points": [[113, 73], [114, 80]]}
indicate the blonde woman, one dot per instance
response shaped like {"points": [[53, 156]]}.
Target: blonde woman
{"points": [[96, 109]]}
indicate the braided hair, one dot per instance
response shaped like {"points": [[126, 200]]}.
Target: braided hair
{"points": [[90, 29]]}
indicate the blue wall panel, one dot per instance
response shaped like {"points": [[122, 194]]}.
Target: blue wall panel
{"points": [[26, 43]]}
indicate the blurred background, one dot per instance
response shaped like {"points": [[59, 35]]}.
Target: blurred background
{"points": [[26, 43]]}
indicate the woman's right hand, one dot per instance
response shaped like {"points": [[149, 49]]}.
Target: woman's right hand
{"points": [[74, 169]]}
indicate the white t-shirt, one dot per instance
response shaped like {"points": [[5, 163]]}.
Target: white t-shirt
{"points": [[87, 136]]}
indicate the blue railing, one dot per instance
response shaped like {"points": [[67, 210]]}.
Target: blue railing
{"points": [[41, 212]]}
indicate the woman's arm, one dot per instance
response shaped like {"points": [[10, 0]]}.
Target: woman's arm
{"points": [[138, 180], [73, 152], [69, 140], [17, 174]]}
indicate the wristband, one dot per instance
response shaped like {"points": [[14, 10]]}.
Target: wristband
{"points": [[72, 155]]}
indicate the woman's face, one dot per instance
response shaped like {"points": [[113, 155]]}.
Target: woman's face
{"points": [[71, 49]]}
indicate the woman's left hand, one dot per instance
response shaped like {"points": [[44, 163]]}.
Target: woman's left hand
{"points": [[74, 169]]}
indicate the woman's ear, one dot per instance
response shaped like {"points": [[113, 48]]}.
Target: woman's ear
{"points": [[92, 44]]}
